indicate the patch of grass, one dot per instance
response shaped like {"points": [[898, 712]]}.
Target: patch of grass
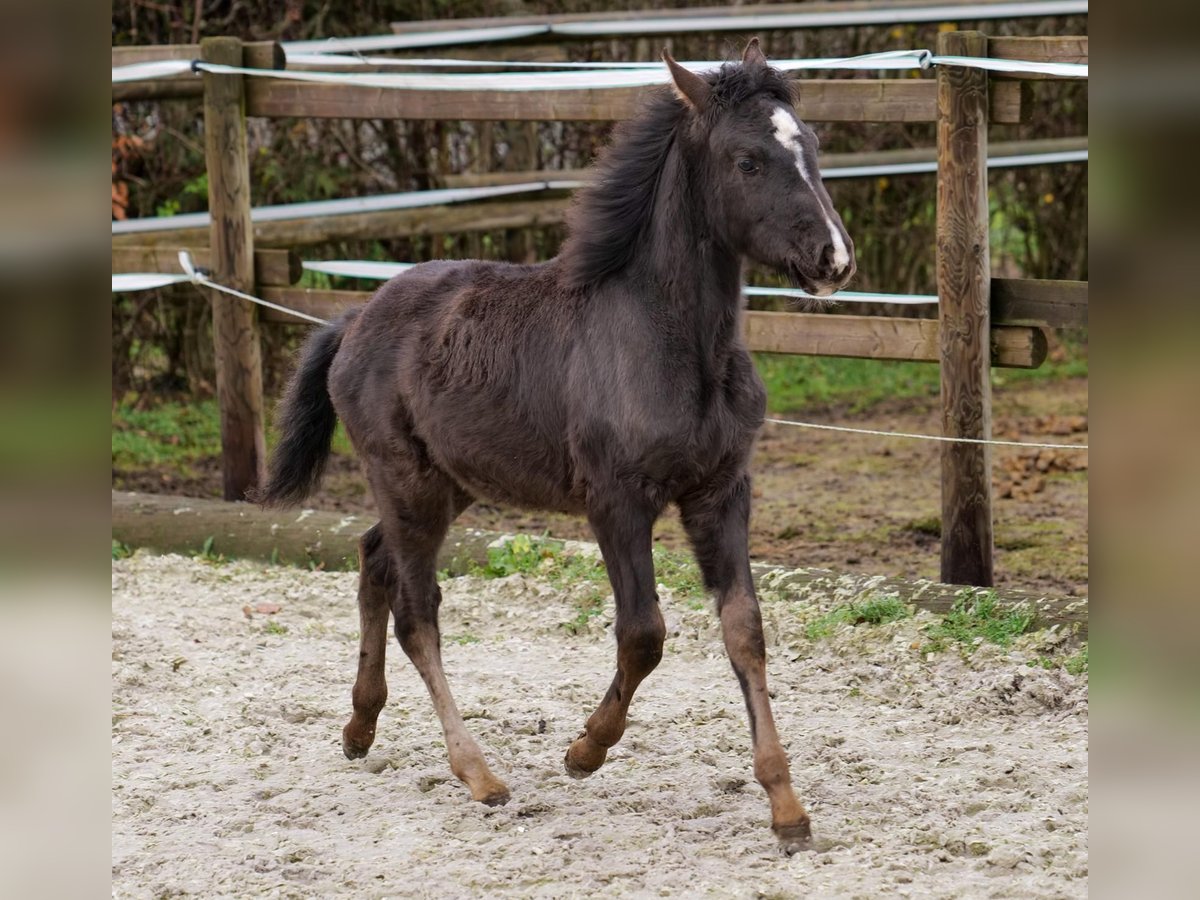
{"points": [[930, 525], [463, 639], [977, 616], [875, 611], [1077, 663], [1016, 542], [584, 575], [546, 559], [273, 627], [798, 383], [679, 572], [121, 551], [176, 435]]}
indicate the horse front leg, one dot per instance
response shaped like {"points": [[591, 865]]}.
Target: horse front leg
{"points": [[624, 532], [717, 525]]}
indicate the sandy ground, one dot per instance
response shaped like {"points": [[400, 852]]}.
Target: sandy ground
{"points": [[925, 777]]}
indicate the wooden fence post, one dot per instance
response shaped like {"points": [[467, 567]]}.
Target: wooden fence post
{"points": [[963, 286], [231, 237]]}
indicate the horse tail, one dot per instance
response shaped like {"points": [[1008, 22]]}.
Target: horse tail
{"points": [[306, 420]]}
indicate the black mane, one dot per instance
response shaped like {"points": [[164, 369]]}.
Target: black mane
{"points": [[608, 219]]}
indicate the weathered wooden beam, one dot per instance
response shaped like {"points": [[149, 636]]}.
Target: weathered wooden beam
{"points": [[241, 530], [189, 525], [231, 237], [865, 337], [458, 218], [324, 304], [271, 267], [824, 100], [259, 55], [964, 309], [1026, 301], [1038, 49], [880, 337]]}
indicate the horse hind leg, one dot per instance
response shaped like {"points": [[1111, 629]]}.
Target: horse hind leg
{"points": [[417, 511], [376, 587]]}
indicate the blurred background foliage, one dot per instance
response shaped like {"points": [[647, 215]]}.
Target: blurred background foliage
{"points": [[161, 342]]}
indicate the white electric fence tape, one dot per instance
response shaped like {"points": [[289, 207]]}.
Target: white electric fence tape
{"points": [[360, 268], [416, 199], [347, 205], [595, 77], [147, 280], [887, 15]]}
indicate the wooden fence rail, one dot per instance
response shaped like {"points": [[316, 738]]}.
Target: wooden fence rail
{"points": [[982, 321]]}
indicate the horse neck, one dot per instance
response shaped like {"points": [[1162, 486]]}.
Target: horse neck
{"points": [[687, 269]]}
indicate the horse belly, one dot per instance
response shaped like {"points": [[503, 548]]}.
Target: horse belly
{"points": [[495, 453]]}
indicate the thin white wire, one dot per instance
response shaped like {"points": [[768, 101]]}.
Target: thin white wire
{"points": [[144, 281], [928, 437]]}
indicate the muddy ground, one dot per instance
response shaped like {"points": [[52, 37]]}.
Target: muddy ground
{"points": [[927, 775], [844, 502]]}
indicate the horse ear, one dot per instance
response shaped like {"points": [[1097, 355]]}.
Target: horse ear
{"points": [[690, 87], [753, 55]]}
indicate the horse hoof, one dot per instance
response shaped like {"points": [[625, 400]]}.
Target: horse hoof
{"points": [[490, 791], [794, 839], [496, 798], [582, 768], [352, 748]]}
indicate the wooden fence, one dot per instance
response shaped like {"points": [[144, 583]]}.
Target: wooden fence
{"points": [[982, 322]]}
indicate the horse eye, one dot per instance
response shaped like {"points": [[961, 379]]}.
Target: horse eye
{"points": [[747, 165]]}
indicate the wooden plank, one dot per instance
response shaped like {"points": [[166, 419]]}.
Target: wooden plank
{"points": [[1038, 49], [273, 267], [323, 304], [458, 218], [824, 100], [235, 322], [807, 334], [1059, 49], [258, 55], [963, 285], [879, 337], [170, 524], [1054, 304]]}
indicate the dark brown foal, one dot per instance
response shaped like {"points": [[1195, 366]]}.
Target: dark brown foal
{"points": [[609, 381]]}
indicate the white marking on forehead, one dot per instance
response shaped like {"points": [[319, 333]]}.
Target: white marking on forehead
{"points": [[787, 132]]}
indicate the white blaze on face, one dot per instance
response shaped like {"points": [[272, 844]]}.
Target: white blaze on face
{"points": [[787, 132]]}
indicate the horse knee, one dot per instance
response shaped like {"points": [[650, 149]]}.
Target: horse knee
{"points": [[640, 643]]}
